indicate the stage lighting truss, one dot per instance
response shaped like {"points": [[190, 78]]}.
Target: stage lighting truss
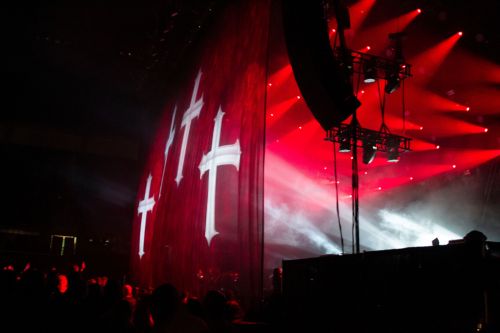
{"points": [[373, 67], [381, 141]]}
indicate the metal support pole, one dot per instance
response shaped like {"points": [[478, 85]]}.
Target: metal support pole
{"points": [[355, 184]]}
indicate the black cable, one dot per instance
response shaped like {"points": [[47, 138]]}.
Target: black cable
{"points": [[355, 180], [358, 84], [337, 195], [403, 105], [262, 213], [353, 224], [381, 101]]}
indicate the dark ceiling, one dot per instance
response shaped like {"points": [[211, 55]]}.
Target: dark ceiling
{"points": [[83, 84]]}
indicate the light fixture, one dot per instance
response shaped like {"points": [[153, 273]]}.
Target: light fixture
{"points": [[392, 149], [369, 149], [393, 82], [370, 70], [344, 140]]}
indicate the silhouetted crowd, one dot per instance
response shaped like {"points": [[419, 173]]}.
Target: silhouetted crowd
{"points": [[53, 301]]}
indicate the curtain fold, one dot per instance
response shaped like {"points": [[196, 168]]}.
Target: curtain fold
{"points": [[203, 230]]}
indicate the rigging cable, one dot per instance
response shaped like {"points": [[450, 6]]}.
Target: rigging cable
{"points": [[337, 195]]}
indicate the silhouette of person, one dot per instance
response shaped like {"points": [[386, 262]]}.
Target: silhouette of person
{"points": [[170, 315]]}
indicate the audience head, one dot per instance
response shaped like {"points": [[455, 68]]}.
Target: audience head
{"points": [[214, 304], [62, 283], [102, 281], [165, 301], [194, 307], [235, 312], [475, 236], [127, 290]]}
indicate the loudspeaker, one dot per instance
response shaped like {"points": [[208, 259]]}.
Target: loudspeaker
{"points": [[324, 84]]}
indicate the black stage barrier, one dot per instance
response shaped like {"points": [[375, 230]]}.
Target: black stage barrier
{"points": [[452, 288]]}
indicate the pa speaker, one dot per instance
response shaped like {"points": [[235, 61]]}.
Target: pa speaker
{"points": [[325, 86]]}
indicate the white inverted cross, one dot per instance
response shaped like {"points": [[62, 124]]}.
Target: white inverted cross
{"points": [[217, 156], [170, 140], [145, 206], [192, 112]]}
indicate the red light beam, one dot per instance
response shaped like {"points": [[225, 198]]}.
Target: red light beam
{"points": [[278, 110], [376, 36], [359, 12], [426, 63]]}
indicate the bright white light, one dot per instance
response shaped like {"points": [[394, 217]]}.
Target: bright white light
{"points": [[146, 205], [293, 228], [190, 114], [411, 233], [300, 217], [217, 156]]}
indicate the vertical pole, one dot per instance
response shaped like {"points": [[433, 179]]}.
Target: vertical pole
{"points": [[63, 245], [355, 184]]}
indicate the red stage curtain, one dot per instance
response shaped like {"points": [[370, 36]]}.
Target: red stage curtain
{"points": [[231, 67]]}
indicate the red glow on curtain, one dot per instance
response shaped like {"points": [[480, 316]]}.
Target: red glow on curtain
{"points": [[204, 230]]}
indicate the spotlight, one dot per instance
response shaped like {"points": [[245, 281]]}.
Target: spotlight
{"points": [[460, 33], [393, 149], [370, 70], [344, 141], [369, 149], [392, 84], [419, 10]]}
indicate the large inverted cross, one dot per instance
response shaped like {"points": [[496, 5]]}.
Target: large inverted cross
{"points": [[191, 113], [217, 156], [169, 143], [145, 206]]}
